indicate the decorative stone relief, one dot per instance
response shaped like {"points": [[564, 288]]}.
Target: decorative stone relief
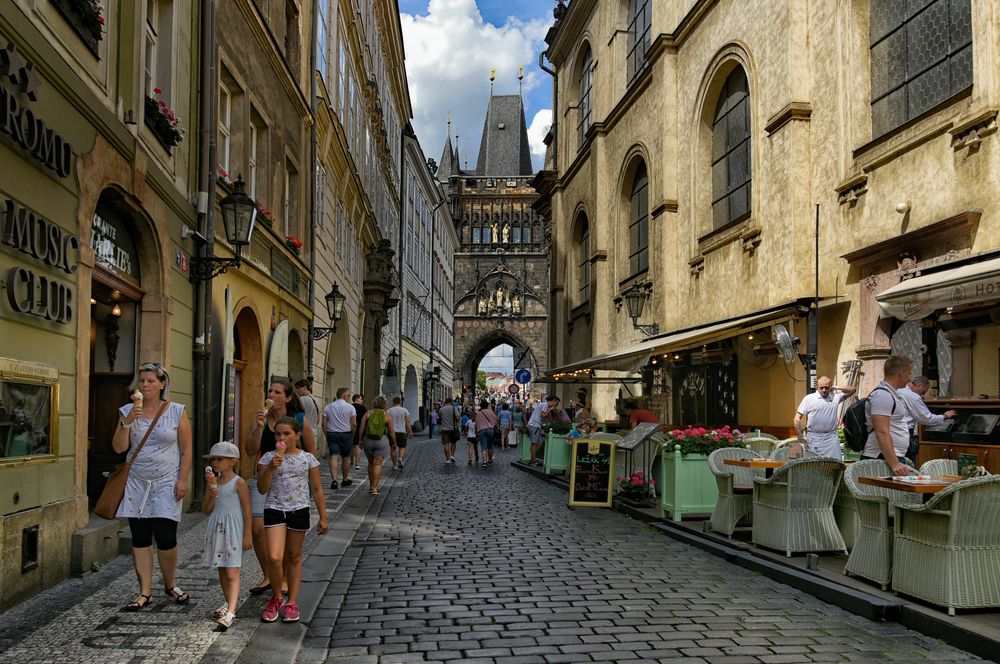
{"points": [[849, 192], [697, 266], [870, 283], [751, 240], [971, 133]]}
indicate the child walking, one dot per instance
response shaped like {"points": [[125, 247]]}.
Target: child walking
{"points": [[228, 533], [286, 476], [470, 436]]}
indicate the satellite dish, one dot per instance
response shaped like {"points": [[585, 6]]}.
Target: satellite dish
{"points": [[787, 344]]}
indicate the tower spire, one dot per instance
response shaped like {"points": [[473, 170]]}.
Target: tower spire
{"points": [[493, 77], [520, 80]]}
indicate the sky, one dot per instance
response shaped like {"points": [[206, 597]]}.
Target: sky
{"points": [[500, 358], [451, 45]]}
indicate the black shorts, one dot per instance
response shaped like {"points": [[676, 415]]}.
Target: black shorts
{"points": [[400, 438], [297, 520], [449, 436]]}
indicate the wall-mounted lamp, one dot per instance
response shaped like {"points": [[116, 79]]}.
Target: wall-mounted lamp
{"points": [[335, 310], [239, 214], [903, 207], [635, 299], [111, 337], [392, 364]]}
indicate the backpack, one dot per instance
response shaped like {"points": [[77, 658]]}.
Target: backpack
{"points": [[376, 424], [855, 421]]}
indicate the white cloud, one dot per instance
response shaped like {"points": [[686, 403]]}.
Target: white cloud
{"points": [[536, 133], [449, 52]]}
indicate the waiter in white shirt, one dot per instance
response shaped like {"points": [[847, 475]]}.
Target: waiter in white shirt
{"points": [[917, 411], [820, 411]]}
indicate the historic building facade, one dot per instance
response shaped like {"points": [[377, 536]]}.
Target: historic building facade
{"points": [[362, 105], [501, 262], [689, 156]]}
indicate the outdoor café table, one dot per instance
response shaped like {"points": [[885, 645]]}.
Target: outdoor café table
{"points": [[767, 464], [926, 488]]}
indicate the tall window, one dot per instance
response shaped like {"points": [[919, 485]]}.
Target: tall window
{"points": [[477, 234], [638, 228], [641, 14], [323, 40], [583, 260], [252, 182], [151, 43], [586, 85], [921, 54], [731, 152], [225, 125]]}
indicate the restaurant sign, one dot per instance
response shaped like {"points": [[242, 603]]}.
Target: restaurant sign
{"points": [[113, 244], [29, 292]]}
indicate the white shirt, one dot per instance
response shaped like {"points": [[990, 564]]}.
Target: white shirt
{"points": [[536, 416], [398, 415], [310, 408], [821, 412], [916, 410], [338, 416], [883, 400]]}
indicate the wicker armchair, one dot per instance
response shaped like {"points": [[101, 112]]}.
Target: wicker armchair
{"points": [[940, 467], [793, 509], [734, 506], [947, 550], [784, 449], [871, 555], [761, 443]]}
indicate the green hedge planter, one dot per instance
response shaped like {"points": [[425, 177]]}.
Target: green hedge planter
{"points": [[524, 447], [686, 484], [556, 457]]}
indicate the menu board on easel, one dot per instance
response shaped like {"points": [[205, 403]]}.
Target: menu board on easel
{"points": [[592, 471]]}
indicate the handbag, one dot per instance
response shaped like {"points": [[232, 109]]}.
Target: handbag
{"points": [[114, 489]]}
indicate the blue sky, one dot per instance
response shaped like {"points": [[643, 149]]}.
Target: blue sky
{"points": [[450, 47]]}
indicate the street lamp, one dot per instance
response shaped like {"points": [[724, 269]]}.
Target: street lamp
{"points": [[335, 310], [635, 299], [239, 214], [391, 363]]}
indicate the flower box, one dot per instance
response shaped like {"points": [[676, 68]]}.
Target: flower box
{"points": [[686, 483], [86, 17], [162, 121], [556, 455]]}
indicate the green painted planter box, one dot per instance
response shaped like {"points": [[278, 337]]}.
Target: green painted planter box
{"points": [[556, 458], [524, 447], [686, 484]]}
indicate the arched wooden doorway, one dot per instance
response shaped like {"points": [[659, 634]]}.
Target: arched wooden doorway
{"points": [[248, 358]]}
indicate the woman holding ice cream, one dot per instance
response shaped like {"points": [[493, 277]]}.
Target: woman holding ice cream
{"points": [[157, 481], [286, 475], [281, 401]]}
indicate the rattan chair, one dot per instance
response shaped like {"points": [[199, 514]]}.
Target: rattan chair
{"points": [[734, 506], [793, 509], [761, 443], [871, 555], [784, 449], [940, 467], [947, 550]]}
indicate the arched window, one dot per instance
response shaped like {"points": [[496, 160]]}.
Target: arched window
{"points": [[583, 258], [638, 226], [640, 21], [477, 236], [731, 152], [921, 55], [586, 86], [515, 233], [526, 233]]}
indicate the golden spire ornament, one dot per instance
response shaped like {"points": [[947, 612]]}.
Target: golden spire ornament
{"points": [[493, 77]]}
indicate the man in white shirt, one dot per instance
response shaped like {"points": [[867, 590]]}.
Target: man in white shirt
{"points": [[339, 423], [820, 411], [310, 404], [403, 430], [917, 411], [886, 415]]}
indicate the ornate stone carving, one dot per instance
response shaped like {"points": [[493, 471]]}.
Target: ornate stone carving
{"points": [[696, 266], [870, 283], [970, 134], [849, 192]]}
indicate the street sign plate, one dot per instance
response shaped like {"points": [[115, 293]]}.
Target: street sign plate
{"points": [[513, 388], [522, 357], [523, 376]]}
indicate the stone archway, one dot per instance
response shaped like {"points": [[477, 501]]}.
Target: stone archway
{"points": [[337, 372], [248, 359], [479, 348], [411, 392]]}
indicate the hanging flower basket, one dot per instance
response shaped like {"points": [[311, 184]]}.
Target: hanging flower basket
{"points": [[162, 121], [294, 243], [86, 17]]}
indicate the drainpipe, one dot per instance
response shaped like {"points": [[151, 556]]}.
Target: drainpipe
{"points": [[430, 402], [313, 212], [555, 108], [202, 353], [406, 133]]}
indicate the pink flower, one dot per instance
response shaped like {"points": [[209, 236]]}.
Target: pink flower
{"points": [[652, 483]]}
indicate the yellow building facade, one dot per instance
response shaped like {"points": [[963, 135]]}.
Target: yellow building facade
{"points": [[693, 143]]}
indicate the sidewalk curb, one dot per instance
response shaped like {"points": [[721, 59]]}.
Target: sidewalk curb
{"points": [[912, 616]]}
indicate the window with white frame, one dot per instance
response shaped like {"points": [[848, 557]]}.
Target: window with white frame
{"points": [[225, 126], [323, 39], [252, 160], [151, 40]]}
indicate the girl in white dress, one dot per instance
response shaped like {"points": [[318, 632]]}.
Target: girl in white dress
{"points": [[227, 534]]}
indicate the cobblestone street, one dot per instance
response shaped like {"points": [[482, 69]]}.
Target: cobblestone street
{"points": [[476, 564]]}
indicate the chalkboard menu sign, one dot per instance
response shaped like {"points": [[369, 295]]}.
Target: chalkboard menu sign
{"points": [[592, 472]]}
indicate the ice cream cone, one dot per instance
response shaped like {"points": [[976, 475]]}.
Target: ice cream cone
{"points": [[137, 397], [210, 476], [268, 404], [279, 448]]}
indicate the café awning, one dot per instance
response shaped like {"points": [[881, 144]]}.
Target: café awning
{"points": [[633, 357], [917, 298]]}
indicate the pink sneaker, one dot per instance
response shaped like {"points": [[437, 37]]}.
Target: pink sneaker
{"points": [[272, 608], [290, 613]]}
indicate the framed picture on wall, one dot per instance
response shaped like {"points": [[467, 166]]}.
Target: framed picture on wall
{"points": [[29, 410]]}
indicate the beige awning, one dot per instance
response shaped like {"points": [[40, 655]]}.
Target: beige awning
{"points": [[919, 297], [633, 357]]}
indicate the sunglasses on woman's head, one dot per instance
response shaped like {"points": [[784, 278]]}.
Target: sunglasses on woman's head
{"points": [[152, 366]]}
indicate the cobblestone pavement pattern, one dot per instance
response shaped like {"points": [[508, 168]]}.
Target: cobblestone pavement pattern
{"points": [[476, 565], [83, 620]]}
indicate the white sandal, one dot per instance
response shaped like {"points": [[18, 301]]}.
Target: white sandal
{"points": [[226, 620], [221, 611]]}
